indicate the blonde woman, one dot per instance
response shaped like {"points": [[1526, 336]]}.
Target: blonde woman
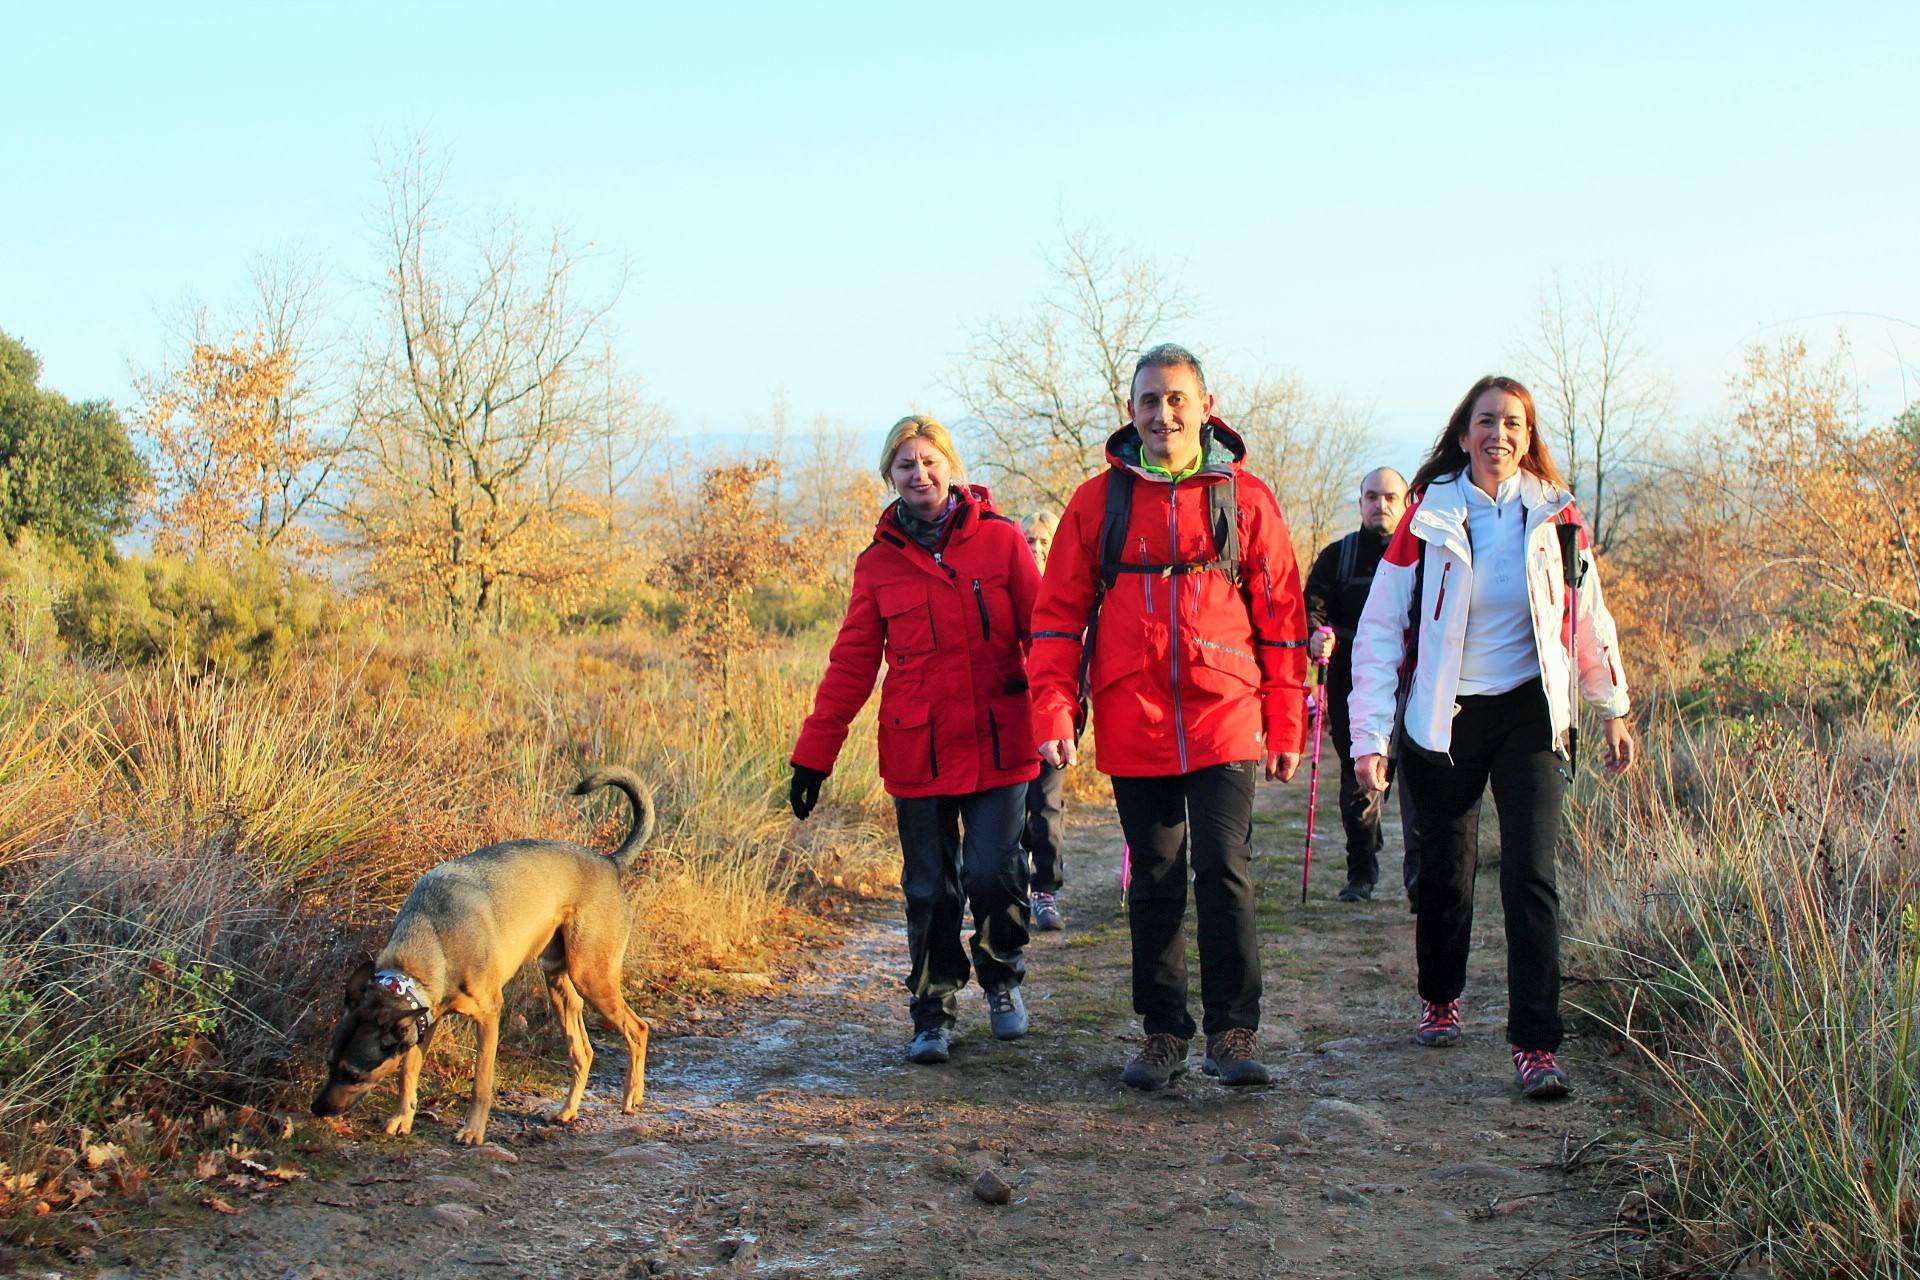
{"points": [[945, 596]]}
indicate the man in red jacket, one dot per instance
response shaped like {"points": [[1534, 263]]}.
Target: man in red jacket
{"points": [[1175, 565]]}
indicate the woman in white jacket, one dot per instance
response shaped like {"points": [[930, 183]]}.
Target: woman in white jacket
{"points": [[1472, 598]]}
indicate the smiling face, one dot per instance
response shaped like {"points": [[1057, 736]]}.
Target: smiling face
{"points": [[1496, 437], [922, 476], [1040, 541], [1169, 406]]}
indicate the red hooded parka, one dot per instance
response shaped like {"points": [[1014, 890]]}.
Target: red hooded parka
{"points": [[954, 625], [1189, 670]]}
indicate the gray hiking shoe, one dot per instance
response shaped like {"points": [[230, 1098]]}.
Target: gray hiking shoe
{"points": [[1160, 1059], [1234, 1056], [1046, 913], [1007, 1011], [931, 1044]]}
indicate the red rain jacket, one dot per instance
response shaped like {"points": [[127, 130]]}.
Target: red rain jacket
{"points": [[954, 626], [1188, 670]]}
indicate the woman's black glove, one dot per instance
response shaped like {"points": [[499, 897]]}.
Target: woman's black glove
{"points": [[805, 792]]}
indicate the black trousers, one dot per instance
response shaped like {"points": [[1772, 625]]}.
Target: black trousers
{"points": [[1362, 810], [1505, 740], [943, 870], [1207, 815], [1046, 828]]}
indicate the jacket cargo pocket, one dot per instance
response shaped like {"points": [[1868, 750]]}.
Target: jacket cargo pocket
{"points": [[909, 619], [1223, 667], [907, 749]]}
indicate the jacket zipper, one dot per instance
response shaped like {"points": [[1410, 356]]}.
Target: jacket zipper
{"points": [[979, 598], [1146, 579], [1440, 598], [1173, 621], [993, 731]]}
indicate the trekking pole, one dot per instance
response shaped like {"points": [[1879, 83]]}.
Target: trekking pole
{"points": [[1126, 871], [1316, 719]]}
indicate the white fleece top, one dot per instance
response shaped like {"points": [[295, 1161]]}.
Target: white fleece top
{"points": [[1498, 654]]}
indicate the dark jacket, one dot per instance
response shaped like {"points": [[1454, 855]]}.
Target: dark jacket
{"points": [[1334, 603], [953, 624]]}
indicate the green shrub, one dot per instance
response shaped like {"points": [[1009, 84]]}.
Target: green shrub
{"points": [[228, 619]]}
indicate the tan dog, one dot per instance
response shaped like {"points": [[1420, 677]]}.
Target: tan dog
{"points": [[464, 930]]}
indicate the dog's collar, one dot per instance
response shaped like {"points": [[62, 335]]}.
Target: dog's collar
{"points": [[407, 989]]}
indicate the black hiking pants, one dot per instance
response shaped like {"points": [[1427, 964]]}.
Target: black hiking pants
{"points": [[1207, 815], [956, 852], [1506, 740], [1046, 828]]}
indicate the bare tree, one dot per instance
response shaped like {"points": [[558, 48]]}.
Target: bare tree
{"points": [[1594, 387], [476, 421], [1311, 450], [1046, 390]]}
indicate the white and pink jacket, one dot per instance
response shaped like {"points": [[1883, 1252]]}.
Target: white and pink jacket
{"points": [[1436, 527]]}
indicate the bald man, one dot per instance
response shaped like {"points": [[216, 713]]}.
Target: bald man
{"points": [[1336, 592]]}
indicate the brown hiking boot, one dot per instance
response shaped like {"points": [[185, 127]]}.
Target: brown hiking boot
{"points": [[1160, 1059], [1234, 1056]]}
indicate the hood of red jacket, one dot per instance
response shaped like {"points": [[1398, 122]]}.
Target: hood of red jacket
{"points": [[1221, 448]]}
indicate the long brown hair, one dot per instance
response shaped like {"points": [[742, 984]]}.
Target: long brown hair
{"points": [[1447, 458]]}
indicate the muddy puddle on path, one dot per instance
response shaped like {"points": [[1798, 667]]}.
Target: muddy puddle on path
{"points": [[791, 1138]]}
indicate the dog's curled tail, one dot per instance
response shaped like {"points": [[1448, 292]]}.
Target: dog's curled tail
{"points": [[637, 795]]}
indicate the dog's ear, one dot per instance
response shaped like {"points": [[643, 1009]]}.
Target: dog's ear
{"points": [[357, 982]]}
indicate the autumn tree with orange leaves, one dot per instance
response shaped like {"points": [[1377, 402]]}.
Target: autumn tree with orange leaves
{"points": [[475, 424], [230, 455], [731, 536]]}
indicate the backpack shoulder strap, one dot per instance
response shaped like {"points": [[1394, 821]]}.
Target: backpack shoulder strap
{"points": [[1113, 527], [1223, 507], [1571, 565], [1349, 560]]}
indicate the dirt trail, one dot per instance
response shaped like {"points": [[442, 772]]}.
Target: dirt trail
{"points": [[792, 1138]]}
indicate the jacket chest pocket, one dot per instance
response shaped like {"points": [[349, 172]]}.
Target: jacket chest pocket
{"points": [[909, 619]]}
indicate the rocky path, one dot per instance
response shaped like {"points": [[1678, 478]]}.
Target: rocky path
{"points": [[791, 1138]]}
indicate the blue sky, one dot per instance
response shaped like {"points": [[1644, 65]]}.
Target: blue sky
{"points": [[821, 204]]}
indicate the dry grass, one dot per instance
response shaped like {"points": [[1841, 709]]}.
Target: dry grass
{"points": [[1752, 895], [188, 863]]}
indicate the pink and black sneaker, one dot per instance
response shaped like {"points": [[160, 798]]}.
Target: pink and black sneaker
{"points": [[1439, 1023], [1538, 1074]]}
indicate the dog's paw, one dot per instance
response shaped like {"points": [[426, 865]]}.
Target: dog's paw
{"points": [[632, 1104], [402, 1123], [562, 1115], [471, 1134]]}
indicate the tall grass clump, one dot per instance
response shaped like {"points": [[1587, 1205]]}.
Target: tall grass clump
{"points": [[192, 857], [1753, 896]]}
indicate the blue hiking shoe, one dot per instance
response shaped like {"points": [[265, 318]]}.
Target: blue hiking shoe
{"points": [[1046, 913], [1007, 1011], [931, 1044]]}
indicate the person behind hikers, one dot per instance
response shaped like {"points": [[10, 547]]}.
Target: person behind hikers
{"points": [[1488, 605], [1046, 794], [1336, 592], [1178, 568], [945, 594]]}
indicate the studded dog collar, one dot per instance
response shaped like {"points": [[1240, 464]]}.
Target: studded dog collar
{"points": [[409, 990]]}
